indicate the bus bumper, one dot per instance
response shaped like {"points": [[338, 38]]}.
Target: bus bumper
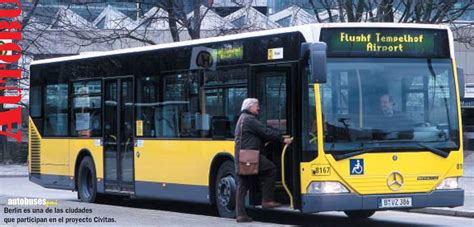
{"points": [[312, 203]]}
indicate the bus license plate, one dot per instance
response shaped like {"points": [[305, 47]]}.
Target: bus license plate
{"points": [[395, 202]]}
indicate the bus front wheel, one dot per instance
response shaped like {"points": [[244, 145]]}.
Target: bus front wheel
{"points": [[226, 188], [86, 181], [359, 213]]}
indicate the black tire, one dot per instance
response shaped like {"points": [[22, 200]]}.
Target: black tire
{"points": [[87, 181], [226, 188], [360, 214]]}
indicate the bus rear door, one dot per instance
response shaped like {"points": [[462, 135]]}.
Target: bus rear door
{"points": [[118, 135]]}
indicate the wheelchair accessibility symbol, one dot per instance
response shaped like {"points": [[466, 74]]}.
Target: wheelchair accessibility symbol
{"points": [[356, 166]]}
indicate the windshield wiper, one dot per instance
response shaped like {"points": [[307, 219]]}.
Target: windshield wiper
{"points": [[434, 150], [339, 157]]}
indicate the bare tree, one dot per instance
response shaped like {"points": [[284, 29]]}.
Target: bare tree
{"points": [[463, 33], [407, 11], [432, 11], [401, 11], [178, 16], [124, 31], [172, 19]]}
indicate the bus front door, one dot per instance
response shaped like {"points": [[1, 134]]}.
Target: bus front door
{"points": [[272, 86], [118, 135]]}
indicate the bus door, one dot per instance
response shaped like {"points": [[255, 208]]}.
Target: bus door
{"points": [[271, 89], [118, 135]]}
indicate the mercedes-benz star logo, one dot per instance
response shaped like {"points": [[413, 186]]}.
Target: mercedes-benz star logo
{"points": [[395, 181]]}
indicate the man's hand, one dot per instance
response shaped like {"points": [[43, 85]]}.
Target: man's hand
{"points": [[288, 140]]}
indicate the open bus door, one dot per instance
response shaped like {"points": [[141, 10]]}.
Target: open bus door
{"points": [[272, 87]]}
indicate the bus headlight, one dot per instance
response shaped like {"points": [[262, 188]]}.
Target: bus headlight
{"points": [[449, 183], [326, 187]]}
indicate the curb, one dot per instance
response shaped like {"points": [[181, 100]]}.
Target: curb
{"points": [[446, 212], [13, 176]]}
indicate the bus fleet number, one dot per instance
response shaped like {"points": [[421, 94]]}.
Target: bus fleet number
{"points": [[321, 170]]}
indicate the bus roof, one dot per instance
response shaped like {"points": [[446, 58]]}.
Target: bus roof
{"points": [[308, 32]]}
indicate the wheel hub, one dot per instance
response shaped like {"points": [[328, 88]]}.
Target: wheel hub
{"points": [[225, 189]]}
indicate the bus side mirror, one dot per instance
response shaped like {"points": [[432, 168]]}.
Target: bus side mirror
{"points": [[315, 54]]}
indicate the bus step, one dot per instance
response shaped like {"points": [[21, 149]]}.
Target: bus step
{"points": [[284, 207], [118, 192], [281, 195]]}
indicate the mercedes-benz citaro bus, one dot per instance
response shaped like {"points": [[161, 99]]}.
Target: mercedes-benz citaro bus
{"points": [[373, 108]]}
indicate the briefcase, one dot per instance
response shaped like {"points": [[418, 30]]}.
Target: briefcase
{"points": [[248, 162]]}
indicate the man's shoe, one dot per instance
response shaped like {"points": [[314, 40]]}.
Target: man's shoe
{"points": [[270, 204], [244, 219]]}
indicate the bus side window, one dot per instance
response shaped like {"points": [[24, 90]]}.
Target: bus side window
{"points": [[87, 108], [147, 106], [166, 120], [177, 114], [55, 110], [225, 90]]}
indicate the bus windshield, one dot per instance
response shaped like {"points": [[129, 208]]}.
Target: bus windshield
{"points": [[389, 104]]}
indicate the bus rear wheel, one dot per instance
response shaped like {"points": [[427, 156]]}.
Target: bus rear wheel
{"points": [[359, 213], [226, 187], [86, 181]]}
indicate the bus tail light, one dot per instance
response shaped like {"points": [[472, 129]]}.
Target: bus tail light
{"points": [[449, 183], [326, 187]]}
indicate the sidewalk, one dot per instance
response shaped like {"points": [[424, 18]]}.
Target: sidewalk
{"points": [[467, 183], [13, 170]]}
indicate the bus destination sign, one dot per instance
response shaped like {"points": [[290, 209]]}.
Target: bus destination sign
{"points": [[385, 42]]}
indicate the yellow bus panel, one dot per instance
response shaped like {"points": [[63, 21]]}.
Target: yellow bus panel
{"points": [[178, 161], [421, 171], [95, 149], [55, 156]]}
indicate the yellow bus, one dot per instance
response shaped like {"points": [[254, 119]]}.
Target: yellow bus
{"points": [[373, 109]]}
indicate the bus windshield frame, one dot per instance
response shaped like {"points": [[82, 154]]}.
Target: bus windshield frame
{"points": [[419, 91]]}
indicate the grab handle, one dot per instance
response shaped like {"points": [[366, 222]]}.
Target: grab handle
{"points": [[283, 174]]}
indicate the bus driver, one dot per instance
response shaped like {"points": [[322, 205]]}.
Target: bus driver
{"points": [[386, 105], [391, 121]]}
